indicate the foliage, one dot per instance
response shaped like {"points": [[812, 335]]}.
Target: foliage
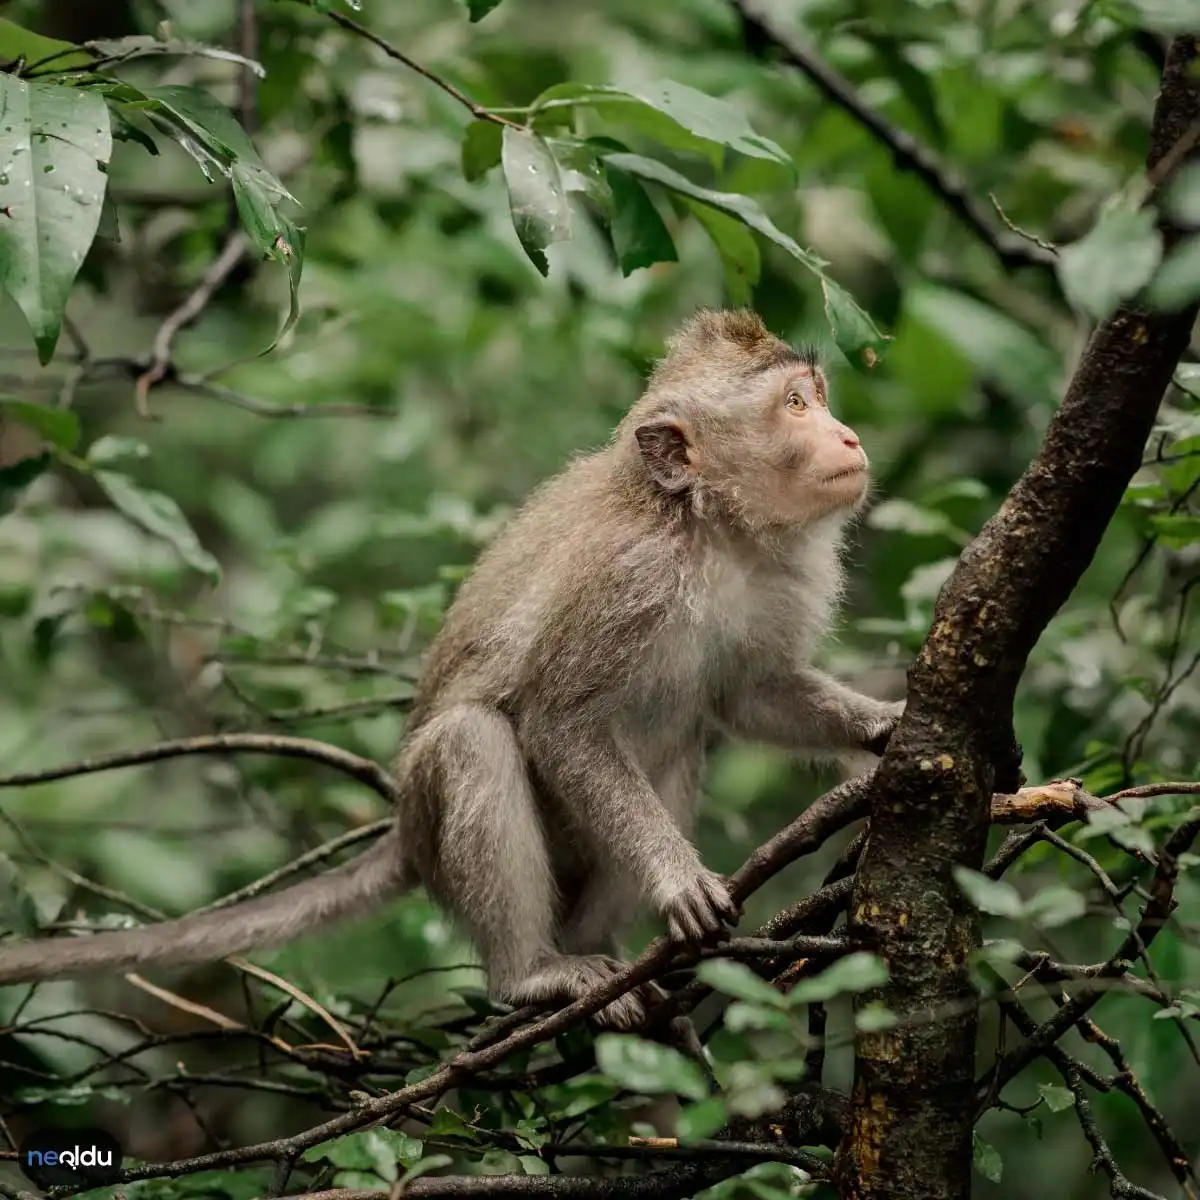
{"points": [[241, 499]]}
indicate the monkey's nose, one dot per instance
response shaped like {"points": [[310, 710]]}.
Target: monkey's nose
{"points": [[850, 438]]}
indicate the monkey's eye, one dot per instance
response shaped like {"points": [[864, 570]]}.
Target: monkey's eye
{"points": [[797, 401]]}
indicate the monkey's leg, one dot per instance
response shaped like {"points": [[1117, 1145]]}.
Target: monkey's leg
{"points": [[492, 864], [808, 710], [627, 822]]}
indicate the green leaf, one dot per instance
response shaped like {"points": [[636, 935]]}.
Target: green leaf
{"points": [[648, 1067], [987, 1159], [478, 9], [59, 426], [700, 1120], [447, 1123], [858, 972], [54, 143], [18, 42], [1114, 260], [536, 197], [639, 235], [746, 210], [161, 516], [737, 980], [482, 146], [1175, 530], [431, 1162], [989, 895], [675, 115], [1057, 1099], [1053, 906], [856, 334], [1177, 282], [737, 248]]}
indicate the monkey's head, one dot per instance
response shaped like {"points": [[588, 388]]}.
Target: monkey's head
{"points": [[737, 422]]}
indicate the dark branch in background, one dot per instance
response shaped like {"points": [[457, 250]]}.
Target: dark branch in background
{"points": [[764, 36], [911, 1127]]}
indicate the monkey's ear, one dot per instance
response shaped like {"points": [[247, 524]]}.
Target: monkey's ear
{"points": [[666, 453]]}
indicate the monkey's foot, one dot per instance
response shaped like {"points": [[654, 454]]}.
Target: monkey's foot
{"points": [[700, 909], [566, 977]]}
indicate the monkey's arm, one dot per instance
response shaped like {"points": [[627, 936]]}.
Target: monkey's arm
{"points": [[624, 816], [807, 710]]}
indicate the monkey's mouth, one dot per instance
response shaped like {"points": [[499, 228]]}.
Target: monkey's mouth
{"points": [[847, 473]]}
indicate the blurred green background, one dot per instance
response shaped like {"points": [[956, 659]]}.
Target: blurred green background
{"points": [[468, 378]]}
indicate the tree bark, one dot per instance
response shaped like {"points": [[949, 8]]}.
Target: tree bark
{"points": [[912, 1108]]}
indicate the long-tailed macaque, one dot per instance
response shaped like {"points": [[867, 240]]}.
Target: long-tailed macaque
{"points": [[674, 583]]}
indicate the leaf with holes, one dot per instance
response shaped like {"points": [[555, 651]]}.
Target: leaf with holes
{"points": [[160, 515], [536, 196], [55, 143]]}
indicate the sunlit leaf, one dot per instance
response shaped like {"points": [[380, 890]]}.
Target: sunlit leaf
{"points": [[1057, 1098]]}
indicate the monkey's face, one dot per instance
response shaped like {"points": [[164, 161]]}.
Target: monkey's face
{"points": [[792, 461]]}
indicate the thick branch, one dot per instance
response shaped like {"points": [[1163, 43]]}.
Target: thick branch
{"points": [[912, 1116]]}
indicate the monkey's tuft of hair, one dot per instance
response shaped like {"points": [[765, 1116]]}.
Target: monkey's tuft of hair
{"points": [[737, 334]]}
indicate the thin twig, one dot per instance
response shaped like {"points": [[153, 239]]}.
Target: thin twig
{"points": [[234, 251], [476, 110]]}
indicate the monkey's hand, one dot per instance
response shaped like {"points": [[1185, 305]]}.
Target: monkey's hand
{"points": [[699, 909], [879, 732]]}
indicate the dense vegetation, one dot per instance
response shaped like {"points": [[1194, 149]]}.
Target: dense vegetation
{"points": [[298, 300]]}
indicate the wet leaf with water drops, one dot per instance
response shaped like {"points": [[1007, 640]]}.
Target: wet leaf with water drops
{"points": [[536, 196], [54, 144]]}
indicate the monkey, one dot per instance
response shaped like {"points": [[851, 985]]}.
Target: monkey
{"points": [[672, 584]]}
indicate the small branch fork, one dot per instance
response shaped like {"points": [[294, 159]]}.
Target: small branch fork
{"points": [[800, 937]]}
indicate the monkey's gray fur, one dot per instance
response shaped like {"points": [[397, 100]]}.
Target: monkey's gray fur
{"points": [[674, 582]]}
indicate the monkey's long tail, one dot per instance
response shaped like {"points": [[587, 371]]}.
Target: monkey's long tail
{"points": [[352, 889]]}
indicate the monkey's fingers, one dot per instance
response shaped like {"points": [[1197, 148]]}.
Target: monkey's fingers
{"points": [[700, 911]]}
